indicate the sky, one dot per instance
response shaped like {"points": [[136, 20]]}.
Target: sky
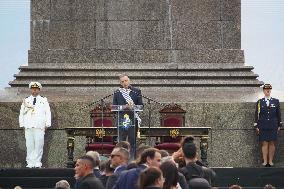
{"points": [[262, 38]]}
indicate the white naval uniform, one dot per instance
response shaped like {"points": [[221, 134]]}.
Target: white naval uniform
{"points": [[34, 118]]}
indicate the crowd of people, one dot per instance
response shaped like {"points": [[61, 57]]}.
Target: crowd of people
{"points": [[152, 169]]}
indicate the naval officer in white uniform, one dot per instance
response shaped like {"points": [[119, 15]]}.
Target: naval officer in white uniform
{"points": [[35, 117]]}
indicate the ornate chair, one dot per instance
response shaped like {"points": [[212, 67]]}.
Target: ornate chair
{"points": [[171, 115], [100, 143]]}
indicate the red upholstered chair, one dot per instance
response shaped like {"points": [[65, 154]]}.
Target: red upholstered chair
{"points": [[171, 115], [101, 144]]}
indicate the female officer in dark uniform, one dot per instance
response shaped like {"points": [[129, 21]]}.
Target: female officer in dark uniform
{"points": [[267, 124]]}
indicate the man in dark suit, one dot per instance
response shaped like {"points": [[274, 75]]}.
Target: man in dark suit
{"points": [[127, 95], [267, 124], [119, 160], [128, 179], [84, 174]]}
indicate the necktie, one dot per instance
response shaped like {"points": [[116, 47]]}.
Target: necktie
{"points": [[267, 102], [34, 102]]}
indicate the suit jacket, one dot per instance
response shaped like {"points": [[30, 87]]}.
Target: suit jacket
{"points": [[113, 178], [128, 179], [135, 94], [90, 182], [268, 117]]}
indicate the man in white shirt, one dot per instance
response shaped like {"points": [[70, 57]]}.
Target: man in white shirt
{"points": [[35, 117]]}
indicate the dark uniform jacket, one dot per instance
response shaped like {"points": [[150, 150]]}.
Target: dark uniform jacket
{"points": [[90, 182], [268, 117], [192, 170], [129, 179], [135, 94]]}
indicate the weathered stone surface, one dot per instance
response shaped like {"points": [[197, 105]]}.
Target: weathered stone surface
{"points": [[72, 10], [231, 10], [115, 10], [40, 34], [114, 35], [131, 10], [72, 35], [130, 35], [149, 35], [40, 9], [136, 56], [192, 34], [195, 10], [231, 35], [150, 9]]}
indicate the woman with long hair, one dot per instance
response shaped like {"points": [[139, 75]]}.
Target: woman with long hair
{"points": [[151, 178], [170, 173]]}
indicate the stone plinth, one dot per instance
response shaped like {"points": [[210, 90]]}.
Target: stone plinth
{"points": [[232, 143]]}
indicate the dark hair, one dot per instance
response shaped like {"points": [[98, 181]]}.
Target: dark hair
{"points": [[108, 168], [89, 159], [140, 149], [198, 183], [188, 147], [123, 144], [170, 173], [150, 152], [187, 139], [148, 177]]}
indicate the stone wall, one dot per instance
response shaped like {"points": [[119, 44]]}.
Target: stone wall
{"points": [[232, 143], [135, 24]]}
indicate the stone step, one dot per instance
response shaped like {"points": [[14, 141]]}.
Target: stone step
{"points": [[107, 74], [134, 66], [93, 82]]}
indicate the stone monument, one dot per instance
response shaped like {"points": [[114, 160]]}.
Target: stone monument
{"points": [[182, 51], [187, 49]]}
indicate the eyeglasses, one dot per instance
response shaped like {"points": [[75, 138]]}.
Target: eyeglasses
{"points": [[113, 155]]}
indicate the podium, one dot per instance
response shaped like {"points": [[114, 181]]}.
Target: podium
{"points": [[128, 123]]}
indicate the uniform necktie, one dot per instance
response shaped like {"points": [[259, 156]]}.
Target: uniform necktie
{"points": [[267, 102], [34, 102]]}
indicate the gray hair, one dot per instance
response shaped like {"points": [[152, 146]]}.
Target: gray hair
{"points": [[123, 75], [62, 184], [96, 157]]}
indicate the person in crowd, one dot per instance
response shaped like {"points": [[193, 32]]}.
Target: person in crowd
{"points": [[193, 170], [96, 157], [119, 160], [267, 124], [128, 179], [199, 183], [151, 178], [107, 171], [164, 153], [62, 184], [171, 173], [124, 144], [84, 174], [139, 150]]}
